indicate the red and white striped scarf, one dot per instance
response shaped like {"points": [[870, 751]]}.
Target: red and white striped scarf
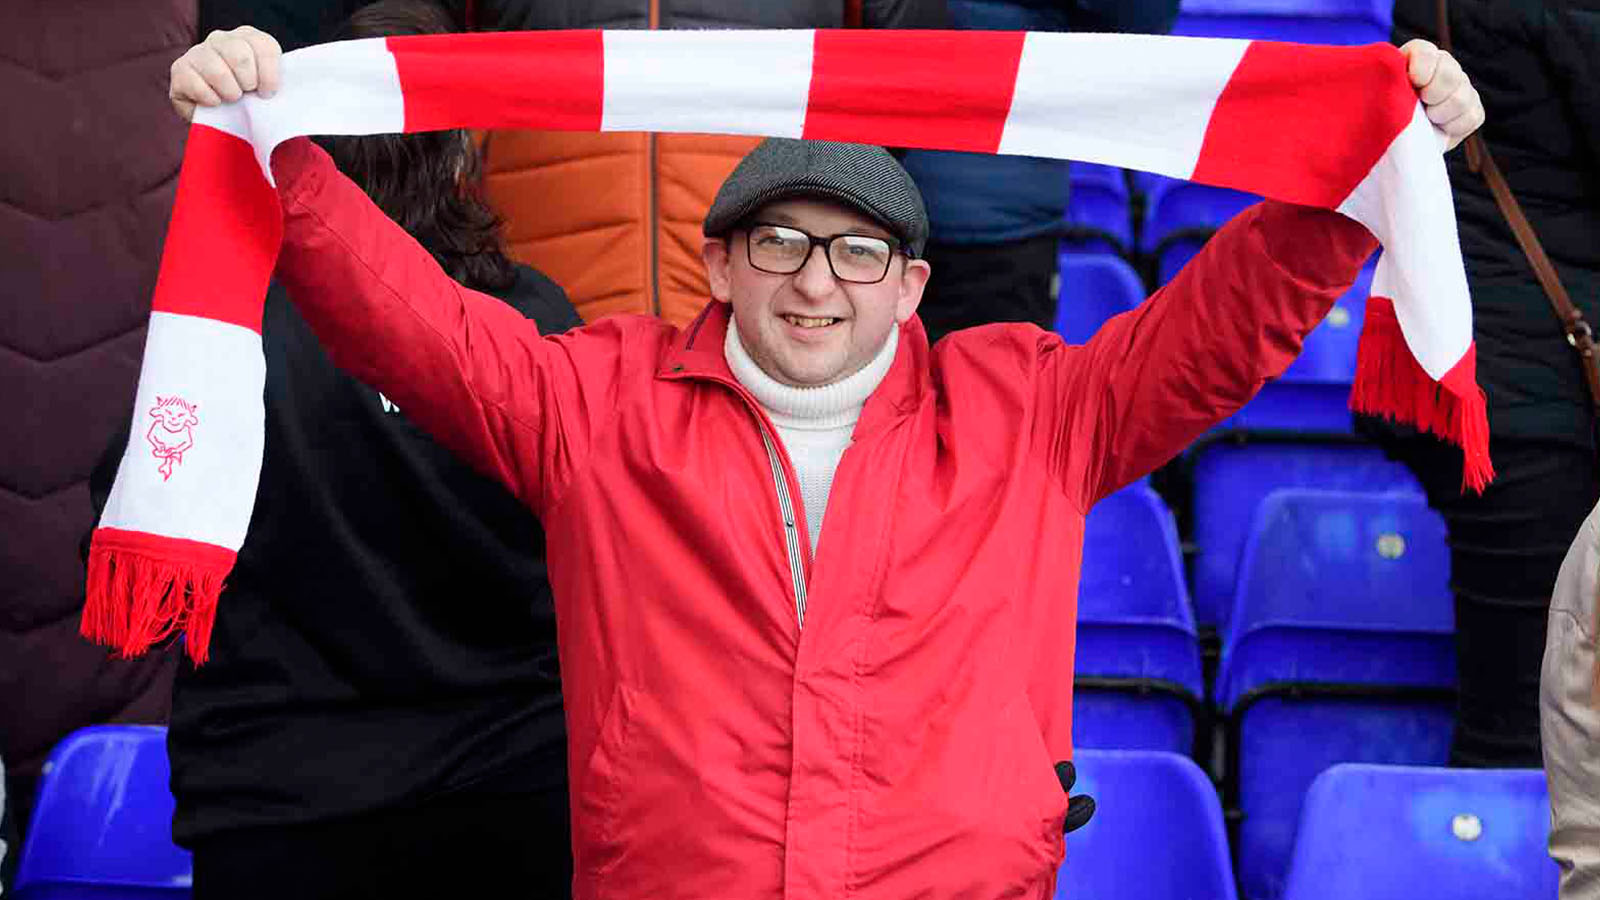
{"points": [[1339, 128]]}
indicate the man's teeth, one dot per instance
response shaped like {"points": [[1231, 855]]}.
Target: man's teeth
{"points": [[809, 322]]}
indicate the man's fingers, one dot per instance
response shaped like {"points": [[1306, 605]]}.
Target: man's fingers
{"points": [[216, 71], [1461, 127], [266, 56], [1448, 78], [183, 108], [1452, 107], [188, 89], [1422, 59]]}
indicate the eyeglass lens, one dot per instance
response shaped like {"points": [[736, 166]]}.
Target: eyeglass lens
{"points": [[781, 250]]}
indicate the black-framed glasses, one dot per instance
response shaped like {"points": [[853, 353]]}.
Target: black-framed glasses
{"points": [[784, 250]]}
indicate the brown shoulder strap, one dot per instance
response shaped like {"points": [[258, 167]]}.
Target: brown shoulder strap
{"points": [[1480, 161]]}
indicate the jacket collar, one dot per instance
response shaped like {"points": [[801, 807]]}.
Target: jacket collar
{"points": [[696, 352]]}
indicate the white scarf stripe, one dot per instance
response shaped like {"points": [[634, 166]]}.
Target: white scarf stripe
{"points": [[1137, 102]]}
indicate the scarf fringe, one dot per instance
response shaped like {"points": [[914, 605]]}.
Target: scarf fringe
{"points": [[1389, 382], [137, 599]]}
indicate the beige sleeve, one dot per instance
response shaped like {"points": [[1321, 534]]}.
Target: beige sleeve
{"points": [[1570, 717]]}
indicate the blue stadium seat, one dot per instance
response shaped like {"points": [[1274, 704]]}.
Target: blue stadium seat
{"points": [[1340, 648], [1099, 214], [1232, 475], [1381, 832], [1313, 395], [1138, 677], [1093, 289], [1157, 831], [1301, 21], [102, 825], [1179, 217]]}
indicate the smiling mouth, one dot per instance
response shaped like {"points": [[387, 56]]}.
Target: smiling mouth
{"points": [[811, 321]]}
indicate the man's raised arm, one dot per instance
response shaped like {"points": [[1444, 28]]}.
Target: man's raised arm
{"points": [[467, 368], [1152, 380]]}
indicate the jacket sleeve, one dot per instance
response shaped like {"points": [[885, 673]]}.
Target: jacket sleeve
{"points": [[471, 370], [1572, 46], [1155, 378]]}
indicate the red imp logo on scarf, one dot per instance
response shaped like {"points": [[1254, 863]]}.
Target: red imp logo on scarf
{"points": [[172, 432]]}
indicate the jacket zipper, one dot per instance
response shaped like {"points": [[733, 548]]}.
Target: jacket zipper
{"points": [[787, 514], [791, 530]]}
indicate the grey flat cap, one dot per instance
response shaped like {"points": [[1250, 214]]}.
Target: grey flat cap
{"points": [[860, 176]]}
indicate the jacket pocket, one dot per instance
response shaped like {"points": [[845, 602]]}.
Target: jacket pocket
{"points": [[600, 788], [1041, 801]]}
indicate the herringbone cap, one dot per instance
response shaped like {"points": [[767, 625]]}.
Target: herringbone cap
{"points": [[860, 176]]}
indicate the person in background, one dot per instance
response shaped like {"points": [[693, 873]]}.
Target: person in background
{"points": [[381, 712], [615, 217], [1569, 702], [997, 219], [1537, 68]]}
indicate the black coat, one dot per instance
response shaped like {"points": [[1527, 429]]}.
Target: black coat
{"points": [[1537, 67], [388, 633]]}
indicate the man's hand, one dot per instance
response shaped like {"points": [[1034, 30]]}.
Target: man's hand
{"points": [[1080, 807], [222, 68], [1448, 97]]}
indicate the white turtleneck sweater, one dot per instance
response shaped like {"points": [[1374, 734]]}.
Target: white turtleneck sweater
{"points": [[814, 424]]}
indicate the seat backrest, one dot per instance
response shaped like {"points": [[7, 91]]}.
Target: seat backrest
{"points": [[1231, 479], [1132, 567], [1102, 177], [1174, 208], [1094, 287], [1099, 213], [1333, 586], [1344, 560], [1134, 617], [1301, 21], [1157, 832], [1444, 834], [102, 824]]}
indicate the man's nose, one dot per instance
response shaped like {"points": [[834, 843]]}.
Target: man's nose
{"points": [[815, 278]]}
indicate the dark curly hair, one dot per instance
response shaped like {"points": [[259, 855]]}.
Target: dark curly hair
{"points": [[428, 182]]}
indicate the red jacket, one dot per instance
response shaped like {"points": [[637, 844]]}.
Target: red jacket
{"points": [[900, 745]]}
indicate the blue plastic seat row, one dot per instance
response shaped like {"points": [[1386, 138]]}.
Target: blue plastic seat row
{"points": [[1340, 648], [1367, 833], [1138, 676]]}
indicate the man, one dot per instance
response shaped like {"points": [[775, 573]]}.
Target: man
{"points": [[815, 582]]}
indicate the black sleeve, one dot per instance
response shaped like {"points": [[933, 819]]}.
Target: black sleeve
{"points": [[904, 14], [294, 23], [1572, 44], [539, 298], [100, 479]]}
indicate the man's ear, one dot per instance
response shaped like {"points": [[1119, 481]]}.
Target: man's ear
{"points": [[913, 281], [719, 268]]}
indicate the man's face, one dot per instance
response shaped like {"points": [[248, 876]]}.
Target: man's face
{"points": [[809, 328]]}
